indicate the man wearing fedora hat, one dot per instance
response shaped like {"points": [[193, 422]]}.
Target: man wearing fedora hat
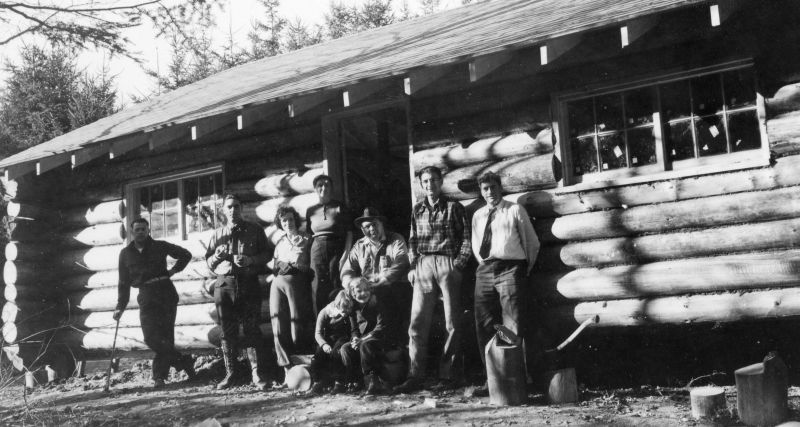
{"points": [[381, 256]]}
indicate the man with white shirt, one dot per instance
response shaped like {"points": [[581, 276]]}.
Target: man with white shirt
{"points": [[505, 245]]}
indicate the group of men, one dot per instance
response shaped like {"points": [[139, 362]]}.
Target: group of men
{"points": [[442, 240]]}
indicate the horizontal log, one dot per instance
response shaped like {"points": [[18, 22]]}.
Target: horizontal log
{"points": [[280, 185], [722, 273], [15, 251], [36, 292], [38, 191], [517, 174], [197, 270], [785, 172], [264, 212], [785, 100], [520, 117], [293, 160], [485, 150], [715, 241], [30, 311], [27, 274], [727, 307], [730, 209], [27, 211], [24, 332], [101, 213], [96, 235], [105, 299], [195, 314], [783, 133], [128, 339]]}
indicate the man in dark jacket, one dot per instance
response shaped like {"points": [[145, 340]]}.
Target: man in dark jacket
{"points": [[143, 265], [237, 253]]}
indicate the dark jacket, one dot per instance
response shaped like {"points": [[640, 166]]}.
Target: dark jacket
{"points": [[136, 267], [372, 318]]}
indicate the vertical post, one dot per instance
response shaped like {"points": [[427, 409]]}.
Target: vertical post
{"points": [[333, 163], [410, 133]]}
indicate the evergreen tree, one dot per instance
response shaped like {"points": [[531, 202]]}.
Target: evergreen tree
{"points": [[47, 95]]}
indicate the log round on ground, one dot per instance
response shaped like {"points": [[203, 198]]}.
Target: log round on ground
{"points": [[707, 401]]}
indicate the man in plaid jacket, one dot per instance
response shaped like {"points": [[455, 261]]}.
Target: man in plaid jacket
{"points": [[439, 249]]}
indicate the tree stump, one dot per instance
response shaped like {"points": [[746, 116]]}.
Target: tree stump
{"points": [[706, 401], [562, 386], [762, 392]]}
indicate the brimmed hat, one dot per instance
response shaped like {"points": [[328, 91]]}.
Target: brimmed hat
{"points": [[369, 215]]}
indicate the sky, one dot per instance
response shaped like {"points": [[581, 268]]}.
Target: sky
{"points": [[154, 53]]}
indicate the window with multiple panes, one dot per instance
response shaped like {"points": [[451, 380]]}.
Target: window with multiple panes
{"points": [[180, 205], [681, 123]]}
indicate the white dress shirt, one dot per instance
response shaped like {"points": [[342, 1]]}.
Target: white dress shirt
{"points": [[513, 237]]}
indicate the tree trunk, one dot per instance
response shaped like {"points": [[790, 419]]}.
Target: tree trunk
{"points": [[762, 392]]}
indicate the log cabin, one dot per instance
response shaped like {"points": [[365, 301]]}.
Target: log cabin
{"points": [[654, 144]]}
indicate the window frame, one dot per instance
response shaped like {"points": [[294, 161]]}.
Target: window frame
{"points": [[132, 189], [663, 169]]}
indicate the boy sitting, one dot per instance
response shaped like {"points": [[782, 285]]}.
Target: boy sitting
{"points": [[373, 332], [333, 332]]}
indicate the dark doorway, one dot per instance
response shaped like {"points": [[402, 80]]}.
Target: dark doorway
{"points": [[375, 154]]}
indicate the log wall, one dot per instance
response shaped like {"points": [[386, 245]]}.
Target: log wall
{"points": [[61, 266], [713, 248]]}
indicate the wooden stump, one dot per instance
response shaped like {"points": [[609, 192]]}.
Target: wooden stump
{"points": [[562, 386], [762, 392], [706, 401]]}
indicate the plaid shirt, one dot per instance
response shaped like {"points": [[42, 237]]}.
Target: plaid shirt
{"points": [[440, 230]]}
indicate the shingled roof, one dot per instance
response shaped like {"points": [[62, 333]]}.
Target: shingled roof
{"points": [[451, 36]]}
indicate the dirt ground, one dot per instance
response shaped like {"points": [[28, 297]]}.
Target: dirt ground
{"points": [[132, 402]]}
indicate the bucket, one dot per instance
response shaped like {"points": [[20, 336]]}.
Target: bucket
{"points": [[505, 371]]}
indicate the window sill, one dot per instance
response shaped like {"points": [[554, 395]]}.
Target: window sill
{"points": [[703, 166]]}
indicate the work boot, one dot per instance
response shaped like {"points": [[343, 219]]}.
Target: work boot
{"points": [[482, 391], [445, 385], [258, 380], [409, 386], [230, 371], [188, 367], [373, 385], [338, 388]]}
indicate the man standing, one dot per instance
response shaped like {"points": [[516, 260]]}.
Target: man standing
{"points": [[440, 248], [143, 265], [505, 244], [381, 257], [237, 254]]}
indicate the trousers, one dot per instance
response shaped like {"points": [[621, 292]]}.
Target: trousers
{"points": [[239, 303], [326, 252], [329, 365], [158, 305], [499, 287], [290, 313], [368, 355], [435, 276]]}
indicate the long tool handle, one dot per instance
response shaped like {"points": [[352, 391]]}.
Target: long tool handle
{"points": [[587, 322], [111, 361]]}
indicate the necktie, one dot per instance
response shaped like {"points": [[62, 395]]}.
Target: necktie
{"points": [[486, 243]]}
